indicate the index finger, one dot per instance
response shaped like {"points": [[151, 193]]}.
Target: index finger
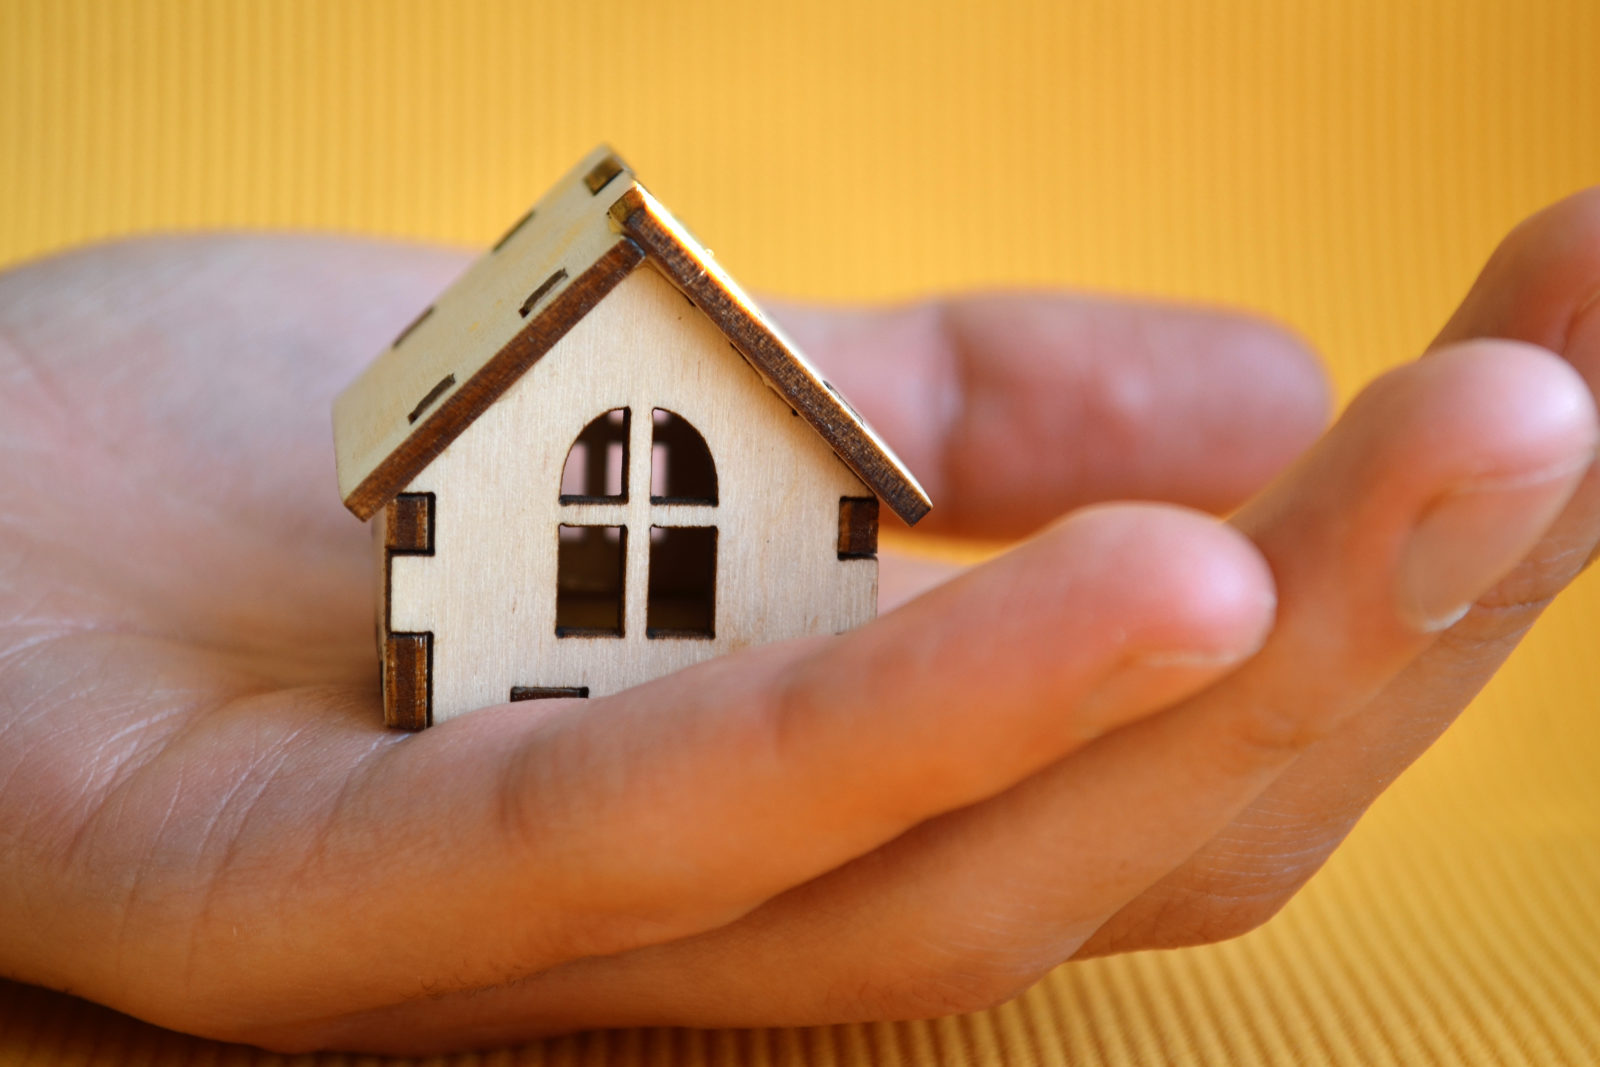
{"points": [[1013, 408]]}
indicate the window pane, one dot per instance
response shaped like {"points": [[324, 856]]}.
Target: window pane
{"points": [[683, 582], [589, 565], [597, 462], [681, 468]]}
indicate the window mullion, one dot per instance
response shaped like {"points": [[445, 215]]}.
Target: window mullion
{"points": [[636, 576], [595, 514]]}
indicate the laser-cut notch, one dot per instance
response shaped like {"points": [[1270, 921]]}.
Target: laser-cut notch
{"points": [[858, 527], [433, 394], [544, 287], [408, 681], [589, 569], [412, 325], [601, 173], [409, 530], [406, 667]]}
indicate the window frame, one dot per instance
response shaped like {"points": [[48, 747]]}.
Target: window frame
{"points": [[646, 511]]}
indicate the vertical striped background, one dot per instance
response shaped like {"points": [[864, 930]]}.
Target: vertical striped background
{"points": [[1343, 166]]}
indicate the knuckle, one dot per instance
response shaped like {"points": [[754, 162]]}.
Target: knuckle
{"points": [[1506, 612], [1266, 731], [950, 981], [950, 993], [1539, 579], [787, 711], [516, 819], [1225, 918], [1199, 916], [1242, 879]]}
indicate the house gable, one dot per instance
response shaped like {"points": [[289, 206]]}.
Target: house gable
{"points": [[486, 593]]}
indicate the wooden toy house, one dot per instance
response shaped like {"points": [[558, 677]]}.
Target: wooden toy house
{"points": [[593, 461]]}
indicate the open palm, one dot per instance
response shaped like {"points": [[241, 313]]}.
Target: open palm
{"points": [[1140, 727]]}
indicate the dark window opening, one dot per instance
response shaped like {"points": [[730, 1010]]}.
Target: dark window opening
{"points": [[596, 470], [858, 527], [683, 582], [681, 468], [589, 566]]}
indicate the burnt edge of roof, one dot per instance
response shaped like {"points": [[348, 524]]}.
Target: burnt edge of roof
{"points": [[814, 398], [475, 395]]}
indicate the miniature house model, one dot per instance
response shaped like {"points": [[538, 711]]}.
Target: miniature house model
{"points": [[594, 461]]}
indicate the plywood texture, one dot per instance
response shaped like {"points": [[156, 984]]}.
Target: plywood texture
{"points": [[1344, 167], [486, 592]]}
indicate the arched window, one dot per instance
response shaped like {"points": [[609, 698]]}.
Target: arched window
{"points": [[681, 468], [592, 576], [597, 463]]}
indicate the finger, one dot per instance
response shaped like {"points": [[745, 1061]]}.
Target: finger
{"points": [[497, 845], [1542, 285], [1015, 408], [1010, 409], [967, 908], [903, 576]]}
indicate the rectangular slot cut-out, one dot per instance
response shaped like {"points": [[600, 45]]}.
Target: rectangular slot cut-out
{"points": [[596, 470], [858, 527], [682, 598], [433, 394], [544, 287], [409, 529], [547, 692], [412, 325], [589, 569]]}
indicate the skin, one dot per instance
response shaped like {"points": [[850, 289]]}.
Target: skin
{"points": [[1141, 727]]}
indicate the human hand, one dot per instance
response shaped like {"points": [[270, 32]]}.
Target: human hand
{"points": [[206, 825]]}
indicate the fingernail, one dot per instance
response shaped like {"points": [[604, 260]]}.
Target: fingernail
{"points": [[1473, 536]]}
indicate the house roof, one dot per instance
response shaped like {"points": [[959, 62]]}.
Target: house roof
{"points": [[511, 306]]}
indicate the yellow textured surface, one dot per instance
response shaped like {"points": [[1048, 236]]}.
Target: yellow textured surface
{"points": [[1344, 166]]}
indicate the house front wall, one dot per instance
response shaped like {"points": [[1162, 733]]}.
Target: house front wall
{"points": [[487, 593]]}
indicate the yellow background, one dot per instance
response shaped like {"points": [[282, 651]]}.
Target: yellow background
{"points": [[1343, 166]]}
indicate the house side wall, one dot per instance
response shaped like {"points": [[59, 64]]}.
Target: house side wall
{"points": [[487, 593]]}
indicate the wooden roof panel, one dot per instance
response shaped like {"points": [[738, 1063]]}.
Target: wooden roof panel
{"points": [[396, 403]]}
